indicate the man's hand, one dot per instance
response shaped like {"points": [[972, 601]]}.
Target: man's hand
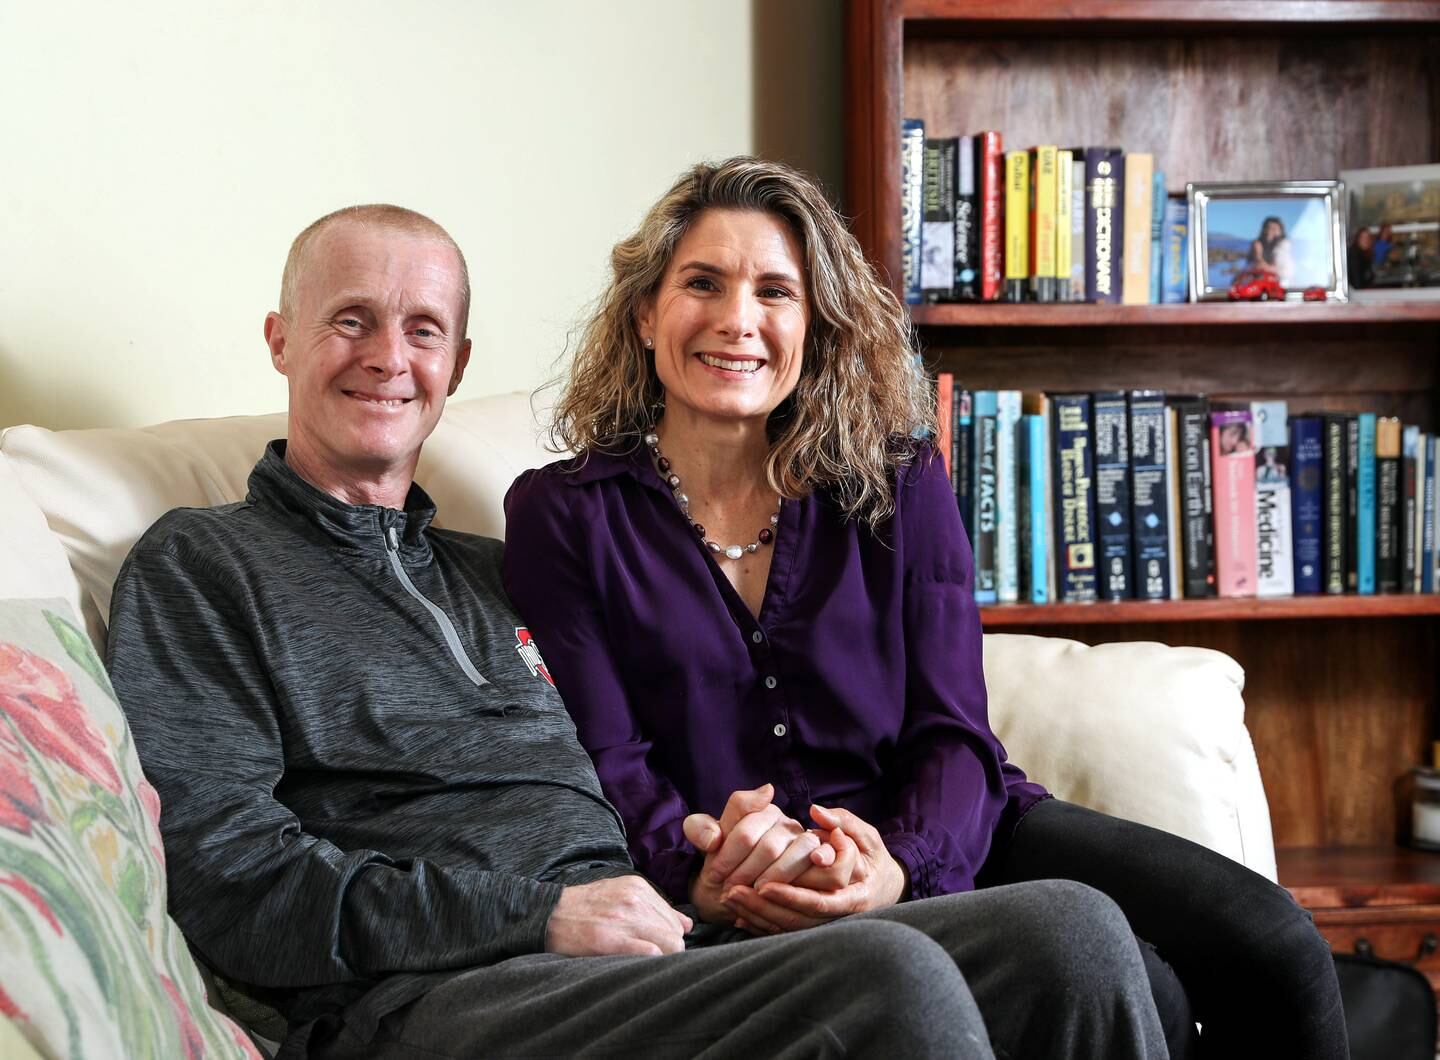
{"points": [[877, 881], [609, 917]]}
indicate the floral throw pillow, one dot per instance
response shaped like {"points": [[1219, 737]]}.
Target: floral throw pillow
{"points": [[90, 963]]}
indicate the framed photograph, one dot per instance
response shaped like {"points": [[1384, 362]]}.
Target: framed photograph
{"points": [[1275, 234], [1392, 232]]}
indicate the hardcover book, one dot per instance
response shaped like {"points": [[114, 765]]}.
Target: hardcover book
{"points": [[1074, 498], [1274, 562], [1157, 235], [1038, 553], [944, 419], [1197, 536], [986, 499], [1336, 540], [1077, 227], [1365, 497], [1232, 455], [1043, 188], [963, 464], [1387, 504], [1175, 268], [1174, 507], [1307, 498], [990, 172], [1064, 225], [937, 220], [1017, 225], [912, 189], [1149, 495], [1410, 505], [1007, 529], [1135, 258], [1112, 494], [1104, 223], [1428, 584], [967, 223], [1352, 503]]}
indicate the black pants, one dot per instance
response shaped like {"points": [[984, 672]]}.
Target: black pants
{"points": [[1256, 974]]}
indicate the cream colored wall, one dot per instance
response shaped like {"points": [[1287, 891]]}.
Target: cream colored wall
{"points": [[160, 155]]}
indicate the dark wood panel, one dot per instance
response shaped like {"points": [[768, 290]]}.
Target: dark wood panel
{"points": [[1339, 712], [872, 130], [1255, 107]]}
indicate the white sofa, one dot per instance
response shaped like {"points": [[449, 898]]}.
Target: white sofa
{"points": [[1144, 731]]}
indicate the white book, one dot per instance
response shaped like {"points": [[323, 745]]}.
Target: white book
{"points": [[1007, 496], [1274, 535]]}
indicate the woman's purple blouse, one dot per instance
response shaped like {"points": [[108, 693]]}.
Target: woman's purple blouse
{"points": [[860, 685]]}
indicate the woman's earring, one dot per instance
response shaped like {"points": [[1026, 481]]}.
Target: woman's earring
{"points": [[649, 344]]}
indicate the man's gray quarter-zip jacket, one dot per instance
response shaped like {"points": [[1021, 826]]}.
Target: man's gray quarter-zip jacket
{"points": [[367, 785]]}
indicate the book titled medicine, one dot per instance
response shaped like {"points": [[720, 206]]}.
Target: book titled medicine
{"points": [[1274, 565], [1112, 494], [1149, 494], [1307, 501], [1232, 457], [1075, 499], [912, 190]]}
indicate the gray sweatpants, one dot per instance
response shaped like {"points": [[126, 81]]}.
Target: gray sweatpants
{"points": [[1031, 970]]}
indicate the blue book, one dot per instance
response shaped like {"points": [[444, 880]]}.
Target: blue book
{"points": [[1037, 435], [1431, 445], [985, 497], [1307, 496], [1007, 489], [1074, 495], [1149, 495], [1365, 506], [1411, 479], [912, 188], [1175, 273], [1112, 494], [1157, 234]]}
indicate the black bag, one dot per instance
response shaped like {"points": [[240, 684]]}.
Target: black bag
{"points": [[1389, 1009]]}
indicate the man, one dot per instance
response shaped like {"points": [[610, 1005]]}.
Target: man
{"points": [[375, 811]]}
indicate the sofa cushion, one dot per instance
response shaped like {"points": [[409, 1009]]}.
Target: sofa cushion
{"points": [[32, 560], [90, 963], [101, 489], [1148, 732]]}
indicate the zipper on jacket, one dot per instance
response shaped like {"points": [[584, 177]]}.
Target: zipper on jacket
{"points": [[447, 628]]}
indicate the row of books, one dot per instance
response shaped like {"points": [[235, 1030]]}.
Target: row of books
{"points": [[1123, 495], [1046, 224]]}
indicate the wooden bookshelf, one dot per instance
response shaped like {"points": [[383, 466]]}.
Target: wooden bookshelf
{"points": [[1341, 692]]}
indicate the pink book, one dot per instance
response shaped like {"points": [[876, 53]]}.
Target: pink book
{"points": [[1232, 459]]}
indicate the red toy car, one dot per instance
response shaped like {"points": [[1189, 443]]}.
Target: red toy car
{"points": [[1256, 285], [1315, 294]]}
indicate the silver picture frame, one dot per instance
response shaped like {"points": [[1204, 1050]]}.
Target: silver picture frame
{"points": [[1308, 252]]}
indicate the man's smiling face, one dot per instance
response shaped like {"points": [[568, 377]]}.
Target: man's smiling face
{"points": [[371, 347]]}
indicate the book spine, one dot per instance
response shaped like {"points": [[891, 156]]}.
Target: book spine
{"points": [[912, 190], [986, 512], [1112, 494], [944, 422], [1077, 229], [990, 170], [963, 475], [1104, 223], [1365, 494], [1410, 506], [1075, 499], [1198, 533], [1007, 543], [1175, 270], [1174, 508], [1335, 504], [1232, 454], [1274, 552], [1307, 470], [1149, 495], [937, 220], [1135, 258], [967, 223], [1387, 504], [1352, 503], [1427, 519], [1017, 224], [1037, 432], [1157, 234], [1043, 182], [1064, 224]]}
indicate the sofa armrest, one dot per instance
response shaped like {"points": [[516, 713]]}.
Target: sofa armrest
{"points": [[1144, 731]]}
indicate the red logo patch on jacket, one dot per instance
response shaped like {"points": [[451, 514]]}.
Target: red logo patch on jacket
{"points": [[530, 653]]}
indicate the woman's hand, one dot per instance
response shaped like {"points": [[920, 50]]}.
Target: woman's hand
{"points": [[877, 880]]}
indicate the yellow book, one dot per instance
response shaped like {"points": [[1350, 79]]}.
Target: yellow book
{"points": [[1064, 209], [1139, 191], [1042, 222], [1017, 224]]}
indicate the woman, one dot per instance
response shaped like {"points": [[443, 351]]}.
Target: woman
{"points": [[755, 593], [1270, 251]]}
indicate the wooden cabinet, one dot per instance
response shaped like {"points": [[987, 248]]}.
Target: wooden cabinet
{"points": [[1341, 691]]}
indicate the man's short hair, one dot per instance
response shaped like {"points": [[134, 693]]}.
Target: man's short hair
{"points": [[370, 215]]}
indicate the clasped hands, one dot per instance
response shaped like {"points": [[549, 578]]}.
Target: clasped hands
{"points": [[768, 874]]}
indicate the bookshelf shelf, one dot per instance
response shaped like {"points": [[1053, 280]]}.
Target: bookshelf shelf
{"points": [[1129, 612], [1248, 314], [1347, 877], [936, 16]]}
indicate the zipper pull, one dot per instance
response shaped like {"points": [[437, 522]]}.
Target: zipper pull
{"points": [[392, 539]]}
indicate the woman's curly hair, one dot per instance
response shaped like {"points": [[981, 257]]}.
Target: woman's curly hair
{"points": [[845, 428]]}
